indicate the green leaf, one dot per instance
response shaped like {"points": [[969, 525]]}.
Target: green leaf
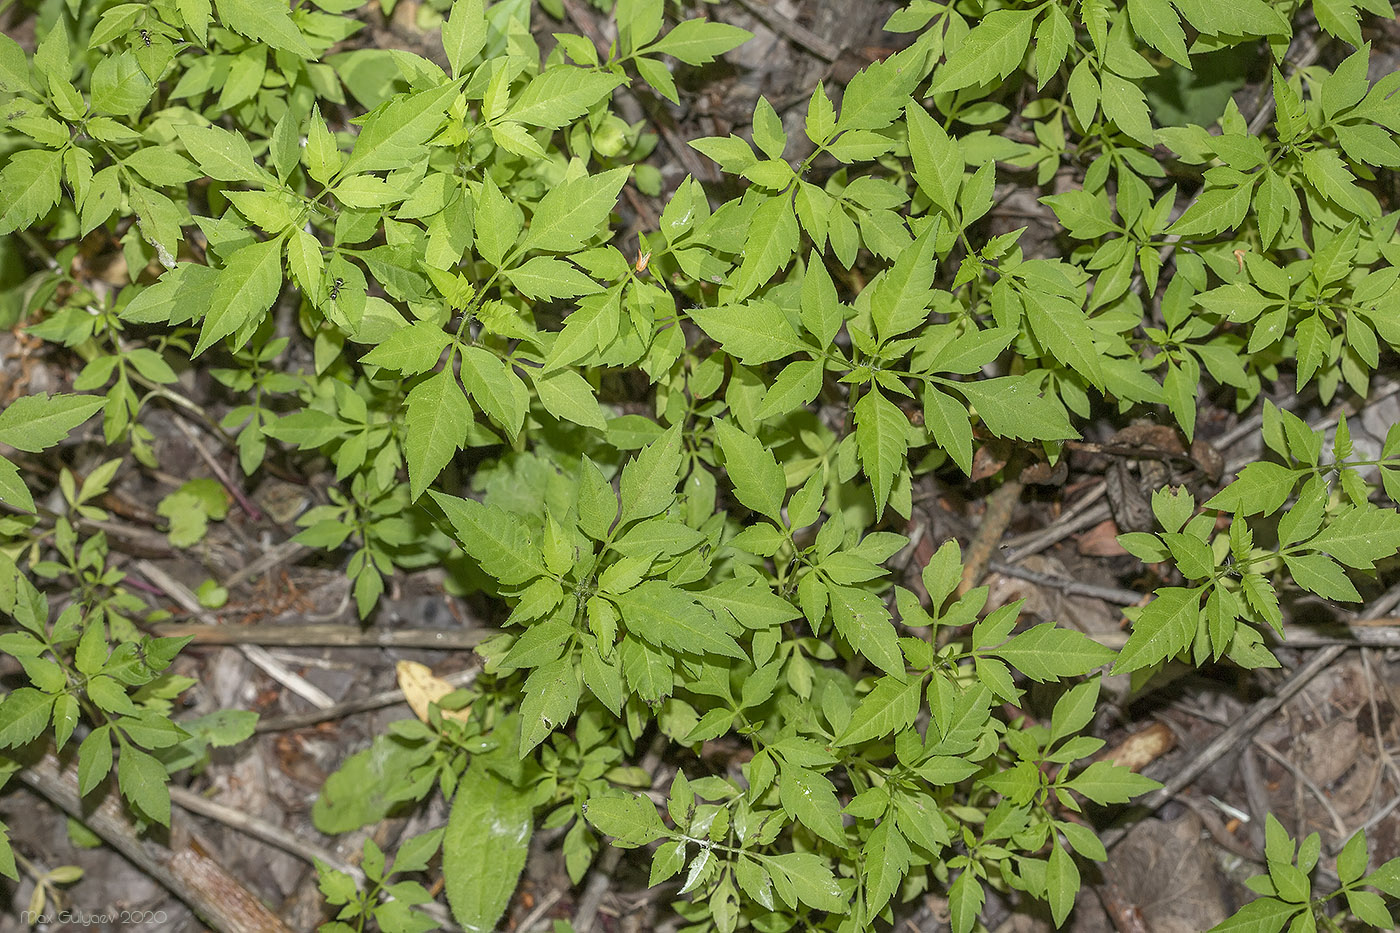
{"points": [[571, 214], [410, 350], [990, 52], [464, 34], [24, 713], [631, 820], [810, 798], [758, 481], [545, 277], [1165, 627], [649, 480], [248, 286], [436, 424], [485, 847], [551, 697], [810, 878], [1359, 537], [1084, 214], [494, 386], [698, 41], [34, 423], [887, 710], [1061, 884], [863, 621], [1264, 915], [1260, 488], [220, 154], [902, 294], [13, 491], [494, 537], [965, 898], [393, 134], [1013, 406], [938, 163], [668, 617], [951, 426], [770, 242], [1047, 652], [753, 332], [1107, 783], [266, 21], [559, 95], [1157, 24], [28, 187], [882, 439], [142, 778], [1329, 176], [568, 396]]}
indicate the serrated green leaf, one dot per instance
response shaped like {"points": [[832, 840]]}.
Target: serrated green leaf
{"points": [[1164, 628], [758, 480], [436, 424], [668, 617], [882, 439], [247, 287], [572, 213], [1013, 406], [34, 423], [219, 153], [1047, 652], [485, 847], [698, 41], [990, 52], [491, 535], [266, 21], [559, 95]]}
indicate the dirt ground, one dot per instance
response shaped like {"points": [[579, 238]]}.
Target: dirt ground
{"points": [[1323, 760]]}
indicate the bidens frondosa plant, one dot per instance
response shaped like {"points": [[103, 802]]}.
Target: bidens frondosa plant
{"points": [[692, 456]]}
